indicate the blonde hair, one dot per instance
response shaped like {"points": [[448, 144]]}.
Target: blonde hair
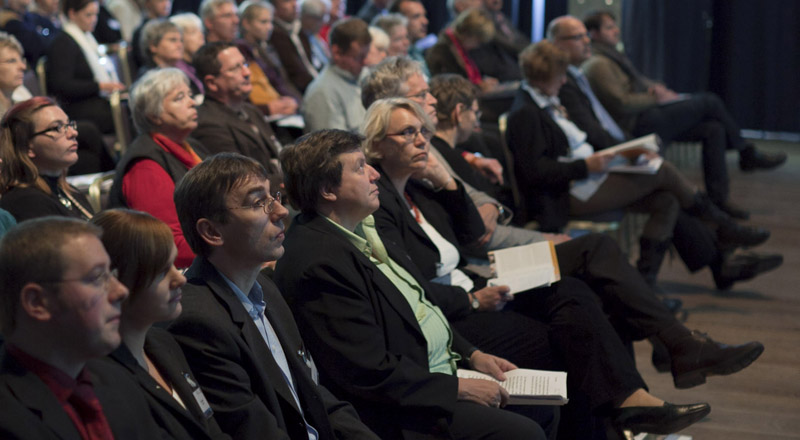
{"points": [[378, 118], [474, 22]]}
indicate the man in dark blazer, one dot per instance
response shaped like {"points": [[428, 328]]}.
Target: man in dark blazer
{"points": [[235, 329], [292, 44], [60, 308], [226, 121]]}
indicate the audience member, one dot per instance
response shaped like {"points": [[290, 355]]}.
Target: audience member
{"points": [[415, 13], [60, 310], [37, 145], [7, 221], [396, 26], [153, 9], [142, 252], [46, 19], [161, 44], [313, 15], [219, 20], [272, 93], [129, 15], [696, 244], [336, 13], [226, 121], [333, 99], [165, 114], [643, 106], [371, 9], [12, 69], [191, 28], [75, 75], [450, 54], [455, 7], [506, 34], [235, 329], [106, 32], [378, 49], [292, 45], [368, 315], [16, 20]]}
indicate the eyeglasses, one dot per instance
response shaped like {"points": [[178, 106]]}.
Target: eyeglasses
{"points": [[60, 128], [421, 96], [267, 205], [99, 281], [235, 68], [478, 113], [410, 133], [575, 37]]}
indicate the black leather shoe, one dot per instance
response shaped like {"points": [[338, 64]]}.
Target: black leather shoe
{"points": [[743, 266], [662, 420], [660, 357], [732, 235], [751, 159], [734, 211], [698, 356]]}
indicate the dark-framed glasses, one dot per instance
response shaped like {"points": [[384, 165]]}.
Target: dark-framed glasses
{"points": [[410, 133], [267, 205], [60, 128]]}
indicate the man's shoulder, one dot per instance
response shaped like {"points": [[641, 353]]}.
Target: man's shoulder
{"points": [[212, 110]]}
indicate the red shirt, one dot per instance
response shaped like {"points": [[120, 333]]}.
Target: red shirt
{"points": [[76, 396]]}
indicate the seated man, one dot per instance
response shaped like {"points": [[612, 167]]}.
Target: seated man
{"points": [[60, 308], [332, 100], [292, 45], [235, 329], [219, 20], [644, 106], [225, 120]]}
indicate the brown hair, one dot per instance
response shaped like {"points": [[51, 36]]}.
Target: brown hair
{"points": [[139, 246], [542, 61], [474, 22], [451, 89], [345, 32]]}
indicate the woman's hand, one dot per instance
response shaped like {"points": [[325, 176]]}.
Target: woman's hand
{"points": [[492, 365], [439, 177], [597, 162], [110, 87], [492, 298], [482, 392]]}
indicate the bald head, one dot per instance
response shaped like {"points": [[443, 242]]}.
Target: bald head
{"points": [[569, 34]]}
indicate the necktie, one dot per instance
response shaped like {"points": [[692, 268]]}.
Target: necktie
{"points": [[89, 410], [602, 114]]}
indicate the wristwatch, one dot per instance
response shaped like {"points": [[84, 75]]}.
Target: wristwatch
{"points": [[474, 303]]}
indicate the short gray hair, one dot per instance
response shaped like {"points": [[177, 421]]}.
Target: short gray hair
{"points": [[209, 7], [314, 8], [379, 38], [248, 9], [378, 118], [9, 41], [388, 22], [148, 93], [187, 20], [388, 79], [152, 33]]}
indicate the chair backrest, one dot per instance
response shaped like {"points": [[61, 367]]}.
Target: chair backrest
{"points": [[99, 189], [502, 124], [120, 115], [41, 66], [31, 82]]}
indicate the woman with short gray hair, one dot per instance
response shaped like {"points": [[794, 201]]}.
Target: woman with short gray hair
{"points": [[161, 44], [164, 113]]}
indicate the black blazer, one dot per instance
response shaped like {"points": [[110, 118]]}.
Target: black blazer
{"points": [[181, 423], [451, 213], [220, 129], [536, 142], [69, 77], [291, 59], [237, 372], [580, 111], [362, 330], [31, 411]]}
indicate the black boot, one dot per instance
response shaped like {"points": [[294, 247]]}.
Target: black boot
{"points": [[730, 234], [651, 255]]}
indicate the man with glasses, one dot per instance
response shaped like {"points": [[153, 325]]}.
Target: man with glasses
{"points": [[333, 99], [226, 121], [60, 309], [236, 330]]}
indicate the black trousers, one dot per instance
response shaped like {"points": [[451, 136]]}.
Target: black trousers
{"points": [[703, 117]]}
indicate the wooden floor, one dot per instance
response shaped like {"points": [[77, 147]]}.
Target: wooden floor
{"points": [[763, 401]]}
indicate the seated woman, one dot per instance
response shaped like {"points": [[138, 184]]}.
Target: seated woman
{"points": [[271, 94], [164, 113], [191, 28], [143, 253], [37, 145], [469, 30], [559, 174], [396, 27], [76, 77], [162, 44]]}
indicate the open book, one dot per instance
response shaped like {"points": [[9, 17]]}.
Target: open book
{"points": [[630, 156], [529, 387], [524, 267], [635, 147]]}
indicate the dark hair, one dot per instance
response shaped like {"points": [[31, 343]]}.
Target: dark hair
{"points": [[31, 251], [451, 89], [394, 7], [138, 244], [205, 60], [542, 61], [593, 20], [201, 193], [345, 32], [75, 5], [312, 164]]}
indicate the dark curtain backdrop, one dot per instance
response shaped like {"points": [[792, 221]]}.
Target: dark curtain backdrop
{"points": [[748, 52]]}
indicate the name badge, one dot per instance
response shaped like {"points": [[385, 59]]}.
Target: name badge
{"points": [[199, 397]]}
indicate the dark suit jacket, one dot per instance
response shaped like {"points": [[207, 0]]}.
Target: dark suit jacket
{"points": [[181, 423], [536, 142], [451, 213], [580, 111], [219, 128], [291, 59], [31, 411], [443, 57], [370, 347], [237, 372]]}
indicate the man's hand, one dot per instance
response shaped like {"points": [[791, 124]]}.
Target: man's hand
{"points": [[493, 298], [488, 84], [284, 105], [598, 162], [489, 214], [663, 93], [489, 167], [482, 392], [556, 238], [492, 365], [110, 87]]}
